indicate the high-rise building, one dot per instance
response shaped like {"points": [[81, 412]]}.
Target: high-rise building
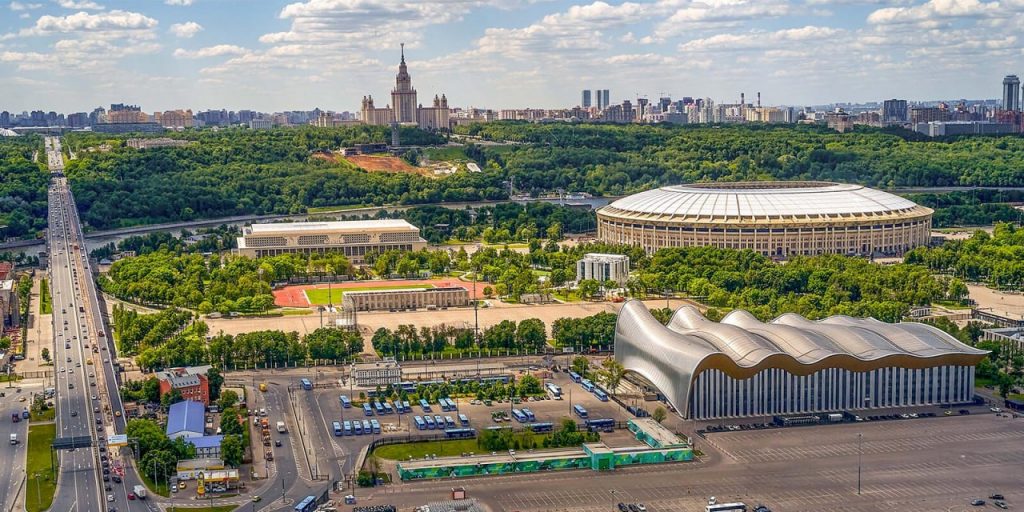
{"points": [[5, 119], [1011, 93], [895, 112], [404, 109], [606, 98], [403, 96], [585, 100]]}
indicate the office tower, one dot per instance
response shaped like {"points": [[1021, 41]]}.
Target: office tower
{"points": [[1011, 92], [663, 103], [585, 101], [894, 111], [605, 97], [601, 104]]}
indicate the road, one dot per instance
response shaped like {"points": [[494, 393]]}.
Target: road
{"points": [[12, 473], [88, 401]]}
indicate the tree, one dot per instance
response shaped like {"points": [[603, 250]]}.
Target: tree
{"points": [[228, 399], [45, 354], [151, 390], [216, 380], [488, 292], [5, 343], [231, 450], [529, 385], [171, 397], [659, 414], [611, 373], [588, 288], [148, 434], [580, 365], [230, 424], [158, 464], [531, 334]]}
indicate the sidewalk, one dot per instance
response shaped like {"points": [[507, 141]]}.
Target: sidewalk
{"points": [[40, 335]]}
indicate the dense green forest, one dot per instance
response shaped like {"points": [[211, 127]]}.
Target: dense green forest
{"points": [[996, 259], [22, 188], [236, 172], [619, 159], [978, 207]]}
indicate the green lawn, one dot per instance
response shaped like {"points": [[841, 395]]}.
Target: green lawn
{"points": [[449, 153], [1016, 396], [47, 415], [7, 378], [45, 302], [41, 484], [980, 382], [162, 489], [320, 296], [338, 208]]}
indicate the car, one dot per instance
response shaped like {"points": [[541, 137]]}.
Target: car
{"points": [[948, 412], [116, 479], [978, 502], [62, 370], [74, 413], [99, 428], [1000, 504], [106, 478], [69, 359], [641, 507], [181, 485], [256, 499], [110, 497], [103, 449], [131, 495], [995, 409], [94, 397], [277, 442], [22, 399], [623, 508], [71, 385], [106, 471], [78, 365], [997, 497], [107, 488]]}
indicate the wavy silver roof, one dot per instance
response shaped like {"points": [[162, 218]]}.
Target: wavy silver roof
{"points": [[740, 345], [763, 199]]}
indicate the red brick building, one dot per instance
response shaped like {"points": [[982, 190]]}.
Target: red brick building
{"points": [[191, 381]]}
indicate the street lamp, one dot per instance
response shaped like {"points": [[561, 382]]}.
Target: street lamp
{"points": [[860, 439]]}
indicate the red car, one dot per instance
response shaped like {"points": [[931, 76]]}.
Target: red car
{"points": [[131, 495]]}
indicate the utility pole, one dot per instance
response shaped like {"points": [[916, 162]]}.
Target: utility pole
{"points": [[860, 451]]}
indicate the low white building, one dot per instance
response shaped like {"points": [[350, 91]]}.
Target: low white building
{"points": [[603, 267], [380, 373]]}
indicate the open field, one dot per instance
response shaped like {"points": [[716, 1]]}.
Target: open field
{"points": [[39, 491], [1001, 303], [374, 163]]}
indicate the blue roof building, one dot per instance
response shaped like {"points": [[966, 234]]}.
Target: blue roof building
{"points": [[206, 446], [185, 419]]}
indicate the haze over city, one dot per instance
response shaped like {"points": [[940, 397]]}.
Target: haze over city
{"points": [[72, 55]]}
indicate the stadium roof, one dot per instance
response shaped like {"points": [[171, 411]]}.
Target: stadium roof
{"points": [[762, 199], [185, 416], [741, 346]]}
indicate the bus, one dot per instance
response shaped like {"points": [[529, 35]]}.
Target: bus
{"points": [[357, 427], [587, 385], [306, 384], [541, 427], [554, 390], [345, 402], [379, 407], [600, 424], [348, 428], [579, 410], [408, 387], [446, 404], [420, 424], [449, 422], [529, 414], [388, 409], [574, 376], [726, 507], [464, 420], [308, 504], [430, 422], [600, 394], [337, 428], [519, 416], [439, 420], [375, 425], [460, 433], [406, 406], [499, 427], [425, 405], [367, 410], [367, 429]]}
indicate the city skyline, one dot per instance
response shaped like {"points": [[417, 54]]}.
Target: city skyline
{"points": [[275, 56]]}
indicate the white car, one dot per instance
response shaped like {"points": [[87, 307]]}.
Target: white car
{"points": [[110, 497], [62, 369]]}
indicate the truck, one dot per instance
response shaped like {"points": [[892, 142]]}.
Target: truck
{"points": [[140, 492], [281, 429], [14, 438]]}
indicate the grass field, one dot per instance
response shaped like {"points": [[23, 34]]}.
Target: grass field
{"points": [[47, 415], [320, 296], [337, 208], [162, 489], [41, 485], [45, 302]]}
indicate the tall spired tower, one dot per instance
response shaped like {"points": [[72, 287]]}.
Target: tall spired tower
{"points": [[403, 96]]}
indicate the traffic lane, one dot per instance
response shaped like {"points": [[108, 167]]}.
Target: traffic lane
{"points": [[12, 474], [330, 410], [286, 474], [318, 434]]}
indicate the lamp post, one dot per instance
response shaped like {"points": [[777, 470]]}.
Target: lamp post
{"points": [[860, 439]]}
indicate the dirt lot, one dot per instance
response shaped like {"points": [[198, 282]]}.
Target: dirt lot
{"points": [[1008, 304], [462, 317]]}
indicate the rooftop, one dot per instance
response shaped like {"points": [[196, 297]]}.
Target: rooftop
{"points": [[185, 416], [348, 225], [761, 199]]}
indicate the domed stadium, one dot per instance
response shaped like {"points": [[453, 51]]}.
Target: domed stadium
{"points": [[774, 218]]}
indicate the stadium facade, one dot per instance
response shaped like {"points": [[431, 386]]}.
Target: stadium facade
{"points": [[744, 367], [773, 218]]}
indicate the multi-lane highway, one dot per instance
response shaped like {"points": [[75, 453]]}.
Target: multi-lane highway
{"points": [[88, 402]]}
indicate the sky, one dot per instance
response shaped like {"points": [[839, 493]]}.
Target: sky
{"points": [[268, 55]]}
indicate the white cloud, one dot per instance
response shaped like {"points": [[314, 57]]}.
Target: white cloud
{"points": [[935, 11], [86, 22], [19, 6], [185, 30], [219, 50], [88, 5], [180, 3], [760, 40]]}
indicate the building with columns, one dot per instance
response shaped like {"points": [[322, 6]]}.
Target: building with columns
{"points": [[404, 108]]}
